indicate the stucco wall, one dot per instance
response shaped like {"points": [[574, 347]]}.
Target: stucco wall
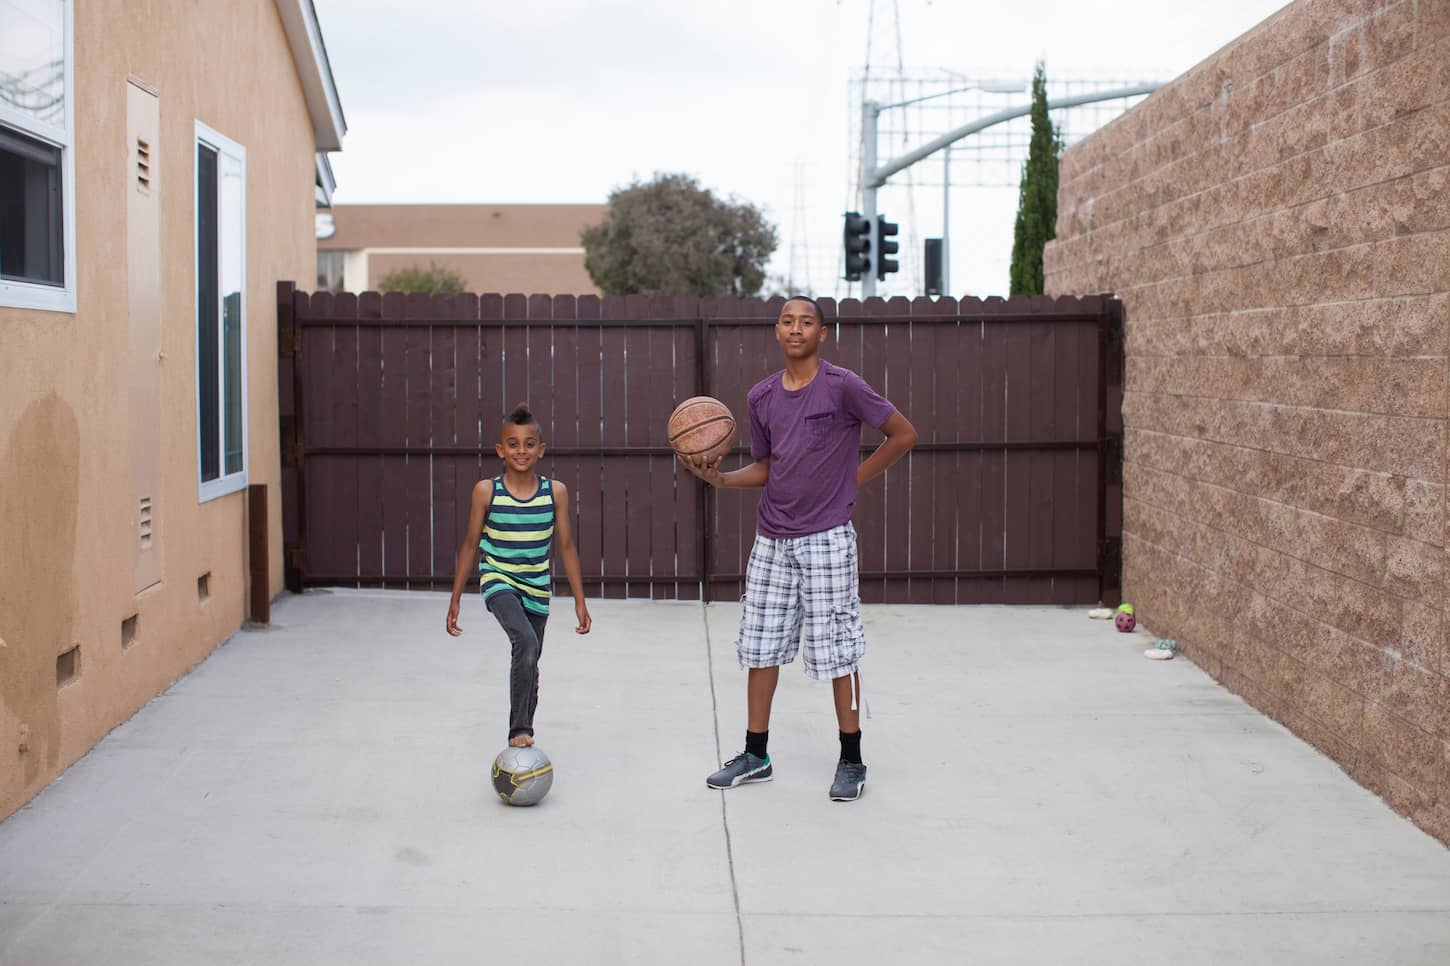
{"points": [[496, 248], [560, 274], [66, 564], [1277, 223]]}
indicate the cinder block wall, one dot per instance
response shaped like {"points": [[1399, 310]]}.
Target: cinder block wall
{"points": [[1277, 223]]}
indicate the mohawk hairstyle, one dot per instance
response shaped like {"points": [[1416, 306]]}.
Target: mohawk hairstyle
{"points": [[522, 415]]}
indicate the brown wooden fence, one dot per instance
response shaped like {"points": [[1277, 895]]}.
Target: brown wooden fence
{"points": [[391, 404]]}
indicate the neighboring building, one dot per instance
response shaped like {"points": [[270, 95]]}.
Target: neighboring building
{"points": [[158, 175], [496, 248]]}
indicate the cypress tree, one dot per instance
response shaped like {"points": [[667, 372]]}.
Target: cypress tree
{"points": [[1037, 198]]}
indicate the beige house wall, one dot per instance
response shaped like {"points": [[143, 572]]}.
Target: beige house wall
{"points": [[66, 570], [556, 272], [1277, 222], [496, 248]]}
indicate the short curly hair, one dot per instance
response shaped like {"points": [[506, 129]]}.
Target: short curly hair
{"points": [[820, 316]]}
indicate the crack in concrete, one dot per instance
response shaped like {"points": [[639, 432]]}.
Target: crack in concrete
{"points": [[724, 816]]}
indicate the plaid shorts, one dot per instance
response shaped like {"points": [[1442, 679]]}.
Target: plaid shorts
{"points": [[805, 583]]}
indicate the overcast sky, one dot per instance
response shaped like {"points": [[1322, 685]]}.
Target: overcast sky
{"points": [[564, 100]]}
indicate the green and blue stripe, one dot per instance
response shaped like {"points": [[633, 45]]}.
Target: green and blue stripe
{"points": [[514, 546]]}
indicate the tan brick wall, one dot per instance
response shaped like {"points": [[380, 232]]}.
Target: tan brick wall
{"points": [[1277, 223]]}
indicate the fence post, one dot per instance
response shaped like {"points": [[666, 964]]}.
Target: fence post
{"points": [[702, 388], [258, 552], [1110, 452], [294, 497]]}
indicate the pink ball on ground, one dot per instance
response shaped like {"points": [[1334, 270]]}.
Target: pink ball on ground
{"points": [[1125, 622]]}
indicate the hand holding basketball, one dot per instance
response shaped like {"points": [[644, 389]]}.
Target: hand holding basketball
{"points": [[707, 470], [701, 431]]}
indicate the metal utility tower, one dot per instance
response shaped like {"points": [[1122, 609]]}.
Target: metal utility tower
{"points": [[875, 174]]}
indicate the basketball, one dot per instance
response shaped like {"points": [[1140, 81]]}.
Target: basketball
{"points": [[522, 776], [702, 426]]}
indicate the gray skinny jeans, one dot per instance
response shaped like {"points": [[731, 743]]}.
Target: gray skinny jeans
{"points": [[525, 631]]}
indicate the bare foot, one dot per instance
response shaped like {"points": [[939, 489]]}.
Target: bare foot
{"points": [[520, 741]]}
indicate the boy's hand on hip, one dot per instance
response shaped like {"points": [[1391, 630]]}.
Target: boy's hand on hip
{"points": [[581, 613], [452, 624]]}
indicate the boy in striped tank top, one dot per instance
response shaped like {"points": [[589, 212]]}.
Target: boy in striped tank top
{"points": [[514, 521]]}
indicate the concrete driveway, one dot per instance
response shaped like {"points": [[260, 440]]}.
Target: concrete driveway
{"points": [[316, 792]]}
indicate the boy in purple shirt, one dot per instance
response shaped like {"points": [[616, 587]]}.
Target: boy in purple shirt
{"points": [[805, 438]]}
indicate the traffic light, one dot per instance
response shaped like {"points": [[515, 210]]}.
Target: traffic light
{"points": [[857, 240], [885, 246], [933, 271]]}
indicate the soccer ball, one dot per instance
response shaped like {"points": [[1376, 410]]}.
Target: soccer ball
{"points": [[522, 776], [1125, 621]]}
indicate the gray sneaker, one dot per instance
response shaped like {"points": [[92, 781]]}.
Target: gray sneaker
{"points": [[850, 779], [741, 770]]}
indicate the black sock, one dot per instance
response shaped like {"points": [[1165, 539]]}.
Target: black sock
{"points": [[851, 747], [755, 742]]}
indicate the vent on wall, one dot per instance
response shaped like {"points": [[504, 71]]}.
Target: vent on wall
{"points": [[203, 586], [68, 666], [145, 518], [129, 626], [143, 165]]}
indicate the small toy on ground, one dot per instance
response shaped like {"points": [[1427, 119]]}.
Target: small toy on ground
{"points": [[1100, 613], [1162, 650], [522, 776], [1125, 620]]}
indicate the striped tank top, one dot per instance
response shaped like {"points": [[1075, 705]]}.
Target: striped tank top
{"points": [[514, 548]]}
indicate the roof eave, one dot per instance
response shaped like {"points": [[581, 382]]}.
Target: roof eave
{"points": [[304, 36], [326, 183]]}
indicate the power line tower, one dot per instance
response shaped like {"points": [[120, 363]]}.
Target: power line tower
{"points": [[884, 68], [798, 275], [914, 110]]}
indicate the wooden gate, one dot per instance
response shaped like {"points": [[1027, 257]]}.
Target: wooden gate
{"points": [[390, 406]]}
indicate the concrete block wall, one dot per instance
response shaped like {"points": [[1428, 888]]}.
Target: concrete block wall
{"points": [[1277, 223]]}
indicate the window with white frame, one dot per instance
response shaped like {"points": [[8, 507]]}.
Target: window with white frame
{"points": [[37, 169], [221, 313], [330, 270]]}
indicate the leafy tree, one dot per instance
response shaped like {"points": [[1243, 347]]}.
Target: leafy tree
{"points": [[1037, 199], [669, 236], [435, 279]]}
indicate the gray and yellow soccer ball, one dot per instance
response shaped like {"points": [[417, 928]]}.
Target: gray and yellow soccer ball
{"points": [[522, 776]]}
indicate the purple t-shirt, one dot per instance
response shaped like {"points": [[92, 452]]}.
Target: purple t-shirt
{"points": [[813, 438]]}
